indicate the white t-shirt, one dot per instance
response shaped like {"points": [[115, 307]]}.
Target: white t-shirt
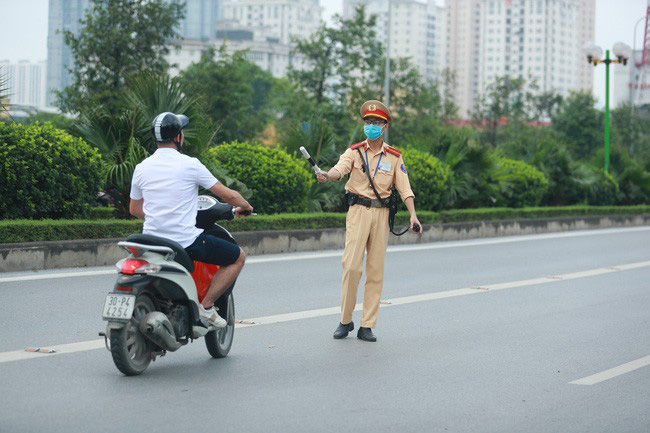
{"points": [[169, 183]]}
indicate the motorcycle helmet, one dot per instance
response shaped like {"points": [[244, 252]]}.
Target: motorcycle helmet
{"points": [[166, 126]]}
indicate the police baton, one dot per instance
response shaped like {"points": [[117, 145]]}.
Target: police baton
{"points": [[308, 157]]}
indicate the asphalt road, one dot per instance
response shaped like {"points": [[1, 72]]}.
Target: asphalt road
{"points": [[543, 333]]}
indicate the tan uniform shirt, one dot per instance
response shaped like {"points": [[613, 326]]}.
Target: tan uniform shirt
{"points": [[391, 170]]}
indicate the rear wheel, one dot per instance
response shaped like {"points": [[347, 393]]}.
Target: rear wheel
{"points": [[219, 342], [130, 349]]}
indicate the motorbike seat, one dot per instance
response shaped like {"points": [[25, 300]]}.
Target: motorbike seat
{"points": [[181, 258]]}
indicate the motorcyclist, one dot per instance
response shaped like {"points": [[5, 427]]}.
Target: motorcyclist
{"points": [[164, 192]]}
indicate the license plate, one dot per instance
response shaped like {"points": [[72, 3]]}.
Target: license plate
{"points": [[118, 306]]}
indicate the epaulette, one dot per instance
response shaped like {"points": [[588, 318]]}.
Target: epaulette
{"points": [[358, 145], [393, 151]]}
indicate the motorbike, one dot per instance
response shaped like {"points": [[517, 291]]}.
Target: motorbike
{"points": [[153, 308]]}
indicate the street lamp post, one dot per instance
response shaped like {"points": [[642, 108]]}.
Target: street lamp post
{"points": [[594, 55]]}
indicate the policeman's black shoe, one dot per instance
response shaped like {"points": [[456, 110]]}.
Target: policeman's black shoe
{"points": [[366, 334], [342, 330]]}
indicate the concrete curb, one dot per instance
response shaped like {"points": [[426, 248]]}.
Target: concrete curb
{"points": [[103, 252]]}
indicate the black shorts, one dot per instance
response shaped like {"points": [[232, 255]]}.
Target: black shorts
{"points": [[213, 250]]}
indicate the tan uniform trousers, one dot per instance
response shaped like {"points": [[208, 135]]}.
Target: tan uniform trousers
{"points": [[366, 228]]}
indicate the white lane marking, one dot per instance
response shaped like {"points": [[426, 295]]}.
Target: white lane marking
{"points": [[338, 253], [81, 346], [19, 355], [613, 372]]}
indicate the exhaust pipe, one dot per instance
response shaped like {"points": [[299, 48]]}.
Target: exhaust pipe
{"points": [[157, 328]]}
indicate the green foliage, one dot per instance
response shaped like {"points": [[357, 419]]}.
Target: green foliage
{"points": [[15, 231], [538, 147], [46, 173], [279, 182], [348, 51], [234, 93], [521, 183], [119, 39], [59, 121], [594, 186], [428, 178], [579, 124], [102, 213]]}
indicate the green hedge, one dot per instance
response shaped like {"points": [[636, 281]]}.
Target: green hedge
{"points": [[14, 231], [46, 173], [279, 181], [428, 178]]}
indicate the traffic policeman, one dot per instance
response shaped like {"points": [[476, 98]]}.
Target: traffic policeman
{"points": [[366, 226]]}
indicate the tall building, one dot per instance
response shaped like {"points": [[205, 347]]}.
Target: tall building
{"points": [[201, 18], [417, 30], [282, 19], [536, 40], [266, 52], [200, 22], [26, 82], [63, 15]]}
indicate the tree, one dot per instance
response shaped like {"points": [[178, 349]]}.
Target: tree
{"points": [[631, 130], [235, 93], [503, 101], [579, 124], [338, 60], [119, 40]]}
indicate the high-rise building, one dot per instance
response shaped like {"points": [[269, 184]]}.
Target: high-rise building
{"points": [[200, 22], [417, 30], [26, 82], [536, 40], [282, 19], [64, 15], [268, 53], [201, 18]]}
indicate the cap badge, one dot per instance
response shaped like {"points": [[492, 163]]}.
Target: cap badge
{"points": [[372, 107]]}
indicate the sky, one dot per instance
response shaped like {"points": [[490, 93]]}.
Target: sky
{"points": [[26, 22]]}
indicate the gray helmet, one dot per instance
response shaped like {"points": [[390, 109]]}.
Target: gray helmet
{"points": [[166, 126]]}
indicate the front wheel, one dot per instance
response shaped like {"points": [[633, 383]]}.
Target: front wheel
{"points": [[130, 349], [219, 342]]}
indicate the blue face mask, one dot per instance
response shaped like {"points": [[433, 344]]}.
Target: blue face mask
{"points": [[373, 132]]}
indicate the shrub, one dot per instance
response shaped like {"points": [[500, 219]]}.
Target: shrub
{"points": [[428, 177], [279, 182], [594, 186], [521, 183], [46, 173]]}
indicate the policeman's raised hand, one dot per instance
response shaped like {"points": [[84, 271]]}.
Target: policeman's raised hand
{"points": [[322, 176], [416, 227]]}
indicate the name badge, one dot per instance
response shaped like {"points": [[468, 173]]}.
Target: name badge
{"points": [[385, 166]]}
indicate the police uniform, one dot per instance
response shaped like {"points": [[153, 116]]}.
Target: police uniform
{"points": [[367, 223]]}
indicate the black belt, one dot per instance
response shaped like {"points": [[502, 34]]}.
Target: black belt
{"points": [[353, 199]]}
